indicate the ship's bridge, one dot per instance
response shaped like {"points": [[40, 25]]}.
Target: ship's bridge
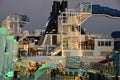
{"points": [[69, 28]]}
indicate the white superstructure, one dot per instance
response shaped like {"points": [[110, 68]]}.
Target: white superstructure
{"points": [[70, 41]]}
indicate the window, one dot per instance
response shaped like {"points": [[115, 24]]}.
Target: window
{"points": [[98, 43], [109, 43], [106, 43], [102, 43]]}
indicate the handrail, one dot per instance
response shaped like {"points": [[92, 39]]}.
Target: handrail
{"points": [[53, 52], [106, 15]]}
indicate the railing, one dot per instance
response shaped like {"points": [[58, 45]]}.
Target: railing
{"points": [[87, 47], [56, 51], [97, 67], [84, 8], [109, 69]]}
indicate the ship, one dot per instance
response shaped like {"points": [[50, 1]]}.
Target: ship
{"points": [[64, 43]]}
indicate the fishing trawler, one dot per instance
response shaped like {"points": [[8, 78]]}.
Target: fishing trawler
{"points": [[64, 36], [67, 44], [64, 41]]}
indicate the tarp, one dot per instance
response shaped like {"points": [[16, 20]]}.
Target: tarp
{"points": [[103, 61], [97, 9], [43, 69], [36, 59]]}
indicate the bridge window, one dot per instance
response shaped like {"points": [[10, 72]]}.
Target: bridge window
{"points": [[98, 43], [104, 43], [109, 43]]}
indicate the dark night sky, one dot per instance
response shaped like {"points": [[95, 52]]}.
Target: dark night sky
{"points": [[38, 12]]}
